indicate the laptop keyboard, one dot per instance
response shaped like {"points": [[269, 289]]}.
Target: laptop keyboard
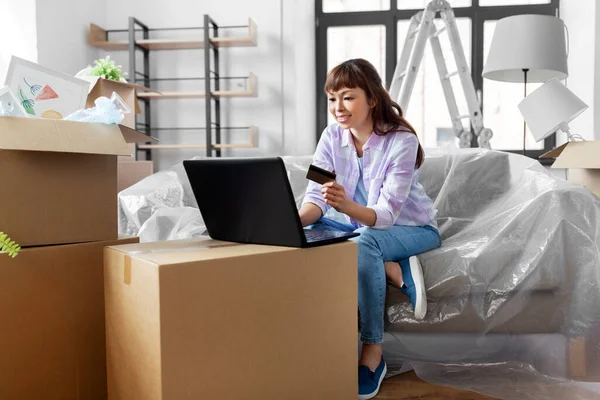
{"points": [[316, 235]]}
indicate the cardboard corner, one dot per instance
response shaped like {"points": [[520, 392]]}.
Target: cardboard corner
{"points": [[579, 154], [554, 152]]}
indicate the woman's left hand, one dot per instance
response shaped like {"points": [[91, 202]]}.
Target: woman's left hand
{"points": [[335, 195]]}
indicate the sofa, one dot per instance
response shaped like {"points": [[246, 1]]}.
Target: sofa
{"points": [[514, 290]]}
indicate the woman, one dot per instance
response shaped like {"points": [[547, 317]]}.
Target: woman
{"points": [[376, 154]]}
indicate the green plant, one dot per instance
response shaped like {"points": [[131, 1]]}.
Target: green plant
{"points": [[106, 68], [8, 246]]}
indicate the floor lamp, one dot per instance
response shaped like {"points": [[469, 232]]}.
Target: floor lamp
{"points": [[527, 48]]}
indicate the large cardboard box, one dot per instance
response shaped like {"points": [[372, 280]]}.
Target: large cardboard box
{"points": [[203, 319], [131, 172], [582, 160], [52, 334], [59, 179]]}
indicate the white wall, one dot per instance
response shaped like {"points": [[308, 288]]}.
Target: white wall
{"points": [[581, 20], [274, 60], [17, 32], [283, 60], [62, 32], [596, 108], [300, 103]]}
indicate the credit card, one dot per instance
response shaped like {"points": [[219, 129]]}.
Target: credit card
{"points": [[319, 175]]}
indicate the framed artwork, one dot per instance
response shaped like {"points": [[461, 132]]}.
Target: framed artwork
{"points": [[9, 105], [43, 92]]}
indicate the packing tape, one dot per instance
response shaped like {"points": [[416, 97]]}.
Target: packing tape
{"points": [[127, 264]]}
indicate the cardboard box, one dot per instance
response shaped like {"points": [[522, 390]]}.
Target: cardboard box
{"points": [[203, 319], [582, 159], [131, 172], [105, 87], [60, 179], [52, 335]]}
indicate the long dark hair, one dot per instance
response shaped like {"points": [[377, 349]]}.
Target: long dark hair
{"points": [[386, 114]]}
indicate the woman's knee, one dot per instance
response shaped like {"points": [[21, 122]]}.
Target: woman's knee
{"points": [[366, 237], [368, 252]]}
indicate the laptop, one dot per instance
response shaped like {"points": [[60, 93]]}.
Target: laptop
{"points": [[250, 200]]}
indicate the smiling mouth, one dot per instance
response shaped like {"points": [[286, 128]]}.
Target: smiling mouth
{"points": [[342, 118]]}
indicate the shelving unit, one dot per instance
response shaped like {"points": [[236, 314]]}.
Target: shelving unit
{"points": [[212, 93], [99, 39]]}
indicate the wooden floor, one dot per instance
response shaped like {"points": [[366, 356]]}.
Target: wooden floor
{"points": [[409, 386]]}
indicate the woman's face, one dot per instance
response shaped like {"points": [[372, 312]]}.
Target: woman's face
{"points": [[350, 107]]}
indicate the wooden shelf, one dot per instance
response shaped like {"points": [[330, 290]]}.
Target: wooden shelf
{"points": [[251, 92], [252, 142], [98, 39]]}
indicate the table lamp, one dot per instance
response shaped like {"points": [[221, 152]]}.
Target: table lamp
{"points": [[527, 48], [549, 108]]}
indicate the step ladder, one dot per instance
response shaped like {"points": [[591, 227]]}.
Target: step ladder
{"points": [[422, 27]]}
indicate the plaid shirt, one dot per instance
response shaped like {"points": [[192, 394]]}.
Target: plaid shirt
{"points": [[389, 176]]}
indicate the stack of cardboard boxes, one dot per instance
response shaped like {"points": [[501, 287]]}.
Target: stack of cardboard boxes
{"points": [[86, 315], [59, 202], [168, 320]]}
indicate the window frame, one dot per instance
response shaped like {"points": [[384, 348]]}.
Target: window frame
{"points": [[389, 19]]}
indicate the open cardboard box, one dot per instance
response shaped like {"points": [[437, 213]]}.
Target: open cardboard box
{"points": [[582, 159], [104, 87], [130, 171], [59, 179]]}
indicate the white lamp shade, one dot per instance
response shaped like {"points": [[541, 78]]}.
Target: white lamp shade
{"points": [[549, 107], [533, 42]]}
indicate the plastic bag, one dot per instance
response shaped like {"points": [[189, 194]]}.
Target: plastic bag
{"points": [[106, 111]]}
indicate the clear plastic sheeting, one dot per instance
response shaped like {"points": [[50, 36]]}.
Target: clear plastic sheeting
{"points": [[172, 224], [514, 291], [168, 191]]}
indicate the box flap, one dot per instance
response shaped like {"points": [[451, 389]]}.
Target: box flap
{"points": [[93, 80], [554, 152], [133, 136], [35, 134], [579, 155]]}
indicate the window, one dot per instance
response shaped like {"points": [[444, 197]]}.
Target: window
{"points": [[376, 30], [427, 111], [421, 4], [332, 6]]}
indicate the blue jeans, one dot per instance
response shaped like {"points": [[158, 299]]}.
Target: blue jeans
{"points": [[375, 247]]}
